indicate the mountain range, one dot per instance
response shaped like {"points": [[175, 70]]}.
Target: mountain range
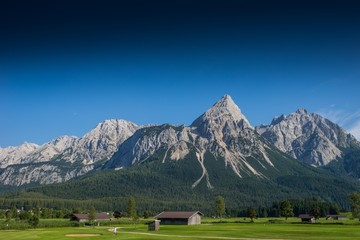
{"points": [[219, 151], [63, 158]]}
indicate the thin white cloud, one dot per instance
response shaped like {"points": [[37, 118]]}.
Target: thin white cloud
{"points": [[350, 121], [334, 115], [355, 130]]}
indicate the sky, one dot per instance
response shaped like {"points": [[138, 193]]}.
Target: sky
{"points": [[66, 66]]}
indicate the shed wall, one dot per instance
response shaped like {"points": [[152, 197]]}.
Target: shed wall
{"points": [[173, 221], [196, 219]]}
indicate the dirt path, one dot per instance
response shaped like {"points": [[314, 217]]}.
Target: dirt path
{"points": [[198, 237]]}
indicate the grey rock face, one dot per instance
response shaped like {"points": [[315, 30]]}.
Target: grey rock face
{"points": [[46, 173], [20, 165], [101, 142], [15, 155], [307, 137], [222, 130], [50, 150], [33, 153], [230, 135]]}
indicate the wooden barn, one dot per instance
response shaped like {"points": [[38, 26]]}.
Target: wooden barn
{"points": [[307, 218], [179, 218], [85, 217]]}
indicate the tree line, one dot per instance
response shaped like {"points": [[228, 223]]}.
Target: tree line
{"points": [[288, 208], [24, 210]]}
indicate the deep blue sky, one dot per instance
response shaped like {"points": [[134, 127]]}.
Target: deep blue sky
{"points": [[67, 65]]}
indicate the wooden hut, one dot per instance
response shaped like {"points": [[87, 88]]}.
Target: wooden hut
{"points": [[154, 226], [307, 218], [180, 218]]}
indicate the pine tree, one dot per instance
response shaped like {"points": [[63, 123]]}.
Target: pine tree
{"points": [[131, 208], [219, 206], [92, 215], [315, 211], [251, 213]]}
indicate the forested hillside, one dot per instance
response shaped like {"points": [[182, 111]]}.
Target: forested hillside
{"points": [[169, 186]]}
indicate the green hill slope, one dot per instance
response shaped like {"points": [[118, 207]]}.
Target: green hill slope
{"points": [[158, 185]]}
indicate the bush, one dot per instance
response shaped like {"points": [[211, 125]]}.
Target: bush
{"points": [[19, 225], [34, 221]]}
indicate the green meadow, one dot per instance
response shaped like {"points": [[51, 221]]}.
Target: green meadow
{"points": [[230, 229]]}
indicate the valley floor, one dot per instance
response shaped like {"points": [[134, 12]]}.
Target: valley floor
{"points": [[209, 231]]}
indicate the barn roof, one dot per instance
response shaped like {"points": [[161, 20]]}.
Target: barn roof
{"points": [[178, 215]]}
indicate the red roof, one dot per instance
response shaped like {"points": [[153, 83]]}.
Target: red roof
{"points": [[178, 215]]}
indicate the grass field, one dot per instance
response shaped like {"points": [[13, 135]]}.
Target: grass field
{"points": [[239, 231]]}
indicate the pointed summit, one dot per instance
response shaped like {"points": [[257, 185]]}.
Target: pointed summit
{"points": [[225, 108], [224, 114]]}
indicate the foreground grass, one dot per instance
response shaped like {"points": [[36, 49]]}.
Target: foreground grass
{"points": [[210, 231]]}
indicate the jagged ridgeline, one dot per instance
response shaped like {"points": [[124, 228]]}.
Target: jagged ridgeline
{"points": [[65, 157], [298, 156]]}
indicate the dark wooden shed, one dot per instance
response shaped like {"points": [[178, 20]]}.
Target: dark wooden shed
{"points": [[154, 225], [307, 218]]}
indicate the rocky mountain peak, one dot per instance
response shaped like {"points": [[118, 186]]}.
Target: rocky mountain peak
{"points": [[223, 111], [14, 154], [222, 131], [308, 137], [63, 142], [101, 142], [29, 145], [49, 150], [277, 120], [112, 129], [301, 111], [226, 107]]}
